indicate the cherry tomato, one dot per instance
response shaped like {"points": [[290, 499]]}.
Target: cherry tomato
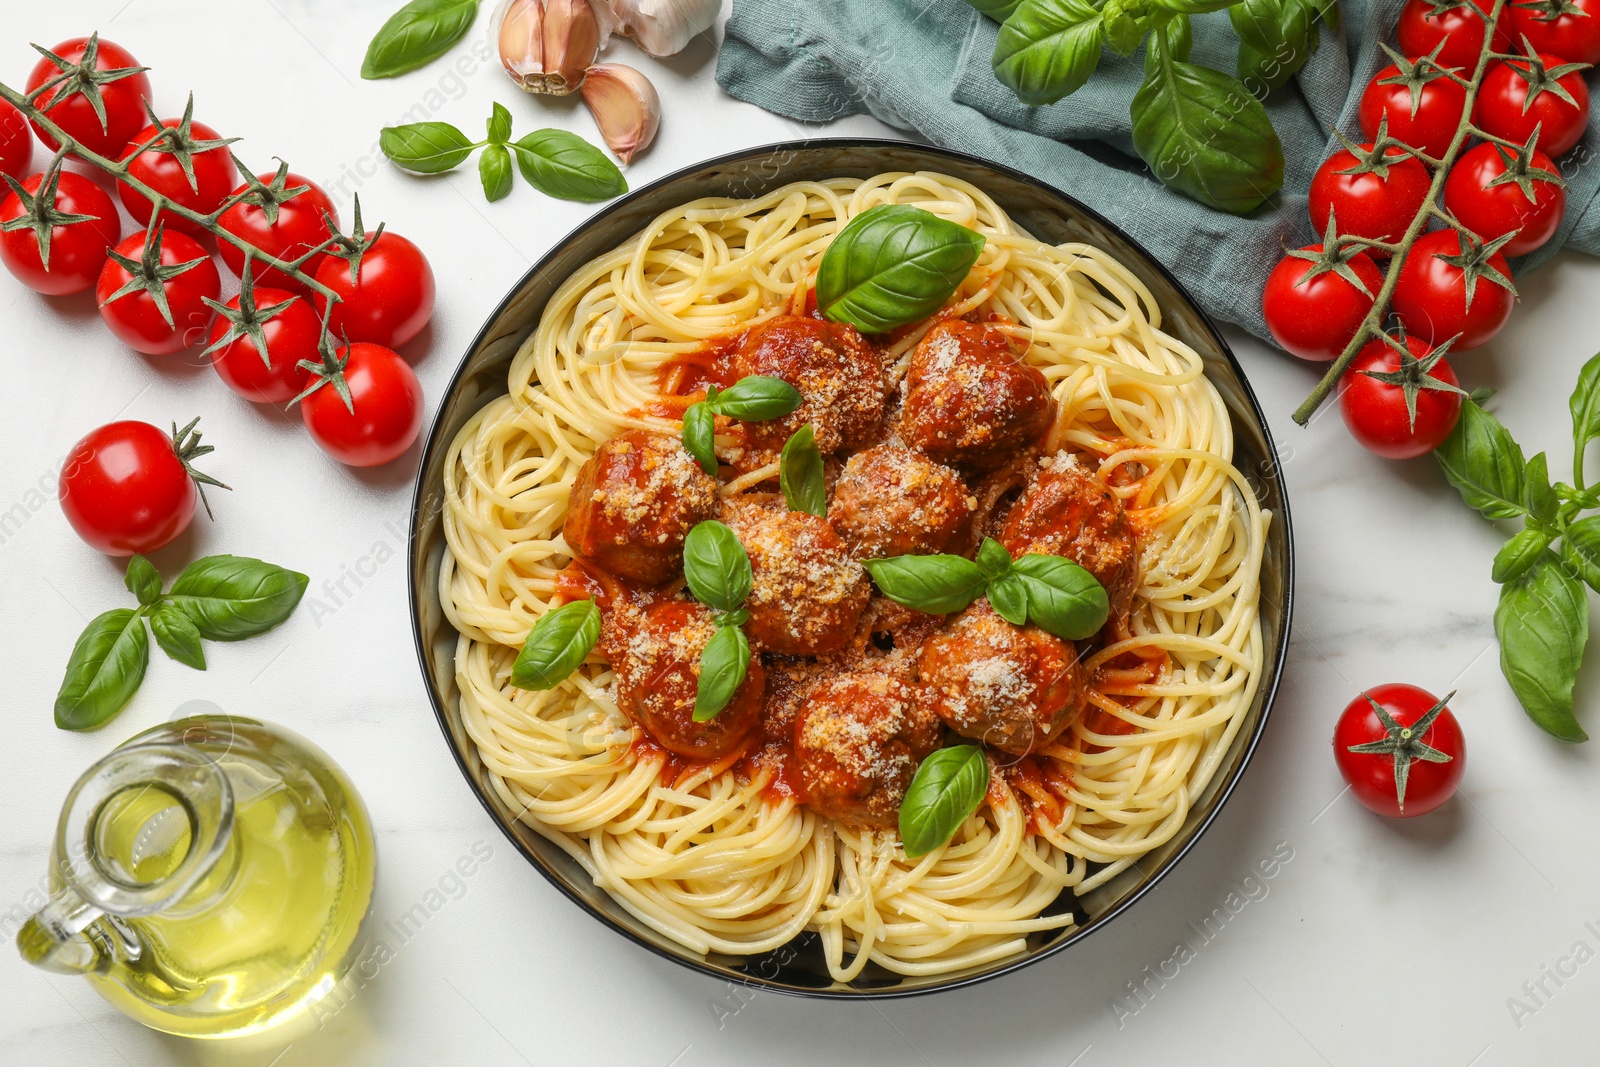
{"points": [[1423, 24], [303, 223], [128, 487], [291, 334], [1431, 300], [77, 249], [1431, 127], [1375, 411], [16, 143], [159, 168], [391, 301], [1492, 210], [1435, 759], [1315, 319], [69, 105], [136, 318], [387, 399], [1511, 105], [1367, 205], [1552, 26]]}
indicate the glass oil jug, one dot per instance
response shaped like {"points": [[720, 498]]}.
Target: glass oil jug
{"points": [[209, 877]]}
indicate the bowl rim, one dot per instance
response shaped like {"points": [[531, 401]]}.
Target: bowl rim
{"points": [[701, 967]]}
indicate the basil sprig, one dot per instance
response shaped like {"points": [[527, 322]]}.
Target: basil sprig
{"points": [[1051, 592], [894, 264], [947, 788], [753, 398], [800, 474], [557, 645], [717, 570], [416, 35], [218, 598]]}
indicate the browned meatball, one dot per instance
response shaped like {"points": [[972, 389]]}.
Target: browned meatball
{"points": [[1012, 687], [656, 655], [890, 501], [838, 374], [807, 593], [858, 740], [971, 401], [1066, 511], [634, 502]]}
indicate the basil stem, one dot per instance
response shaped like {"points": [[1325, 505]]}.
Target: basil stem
{"points": [[105, 669], [565, 166], [723, 664], [1484, 462], [894, 264], [557, 645], [425, 147], [230, 598], [945, 791], [416, 35], [716, 566], [938, 585], [755, 398], [800, 474], [1542, 623]]}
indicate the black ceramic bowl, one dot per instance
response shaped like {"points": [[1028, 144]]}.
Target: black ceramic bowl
{"points": [[1048, 214]]}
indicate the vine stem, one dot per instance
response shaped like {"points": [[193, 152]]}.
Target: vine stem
{"points": [[1372, 326]]}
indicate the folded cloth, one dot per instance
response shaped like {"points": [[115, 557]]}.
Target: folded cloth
{"points": [[923, 66]]}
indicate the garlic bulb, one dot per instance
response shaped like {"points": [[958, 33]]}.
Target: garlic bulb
{"points": [[546, 45], [662, 27], [625, 107]]}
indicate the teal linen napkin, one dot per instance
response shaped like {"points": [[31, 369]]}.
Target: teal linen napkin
{"points": [[923, 66]]}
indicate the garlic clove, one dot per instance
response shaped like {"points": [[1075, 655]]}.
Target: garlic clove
{"points": [[521, 41], [661, 27], [625, 107], [546, 45]]}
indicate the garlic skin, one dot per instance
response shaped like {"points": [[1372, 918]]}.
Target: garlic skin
{"points": [[546, 45], [625, 107], [662, 27]]}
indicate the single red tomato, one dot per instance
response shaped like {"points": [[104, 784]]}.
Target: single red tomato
{"points": [[391, 300], [1431, 126], [137, 271], [94, 68], [1375, 408], [1453, 288], [128, 487], [385, 411], [290, 331], [1369, 199], [1493, 192], [161, 169], [1568, 28], [16, 142], [1312, 307], [1419, 749], [1545, 93], [283, 226], [1424, 24], [76, 250]]}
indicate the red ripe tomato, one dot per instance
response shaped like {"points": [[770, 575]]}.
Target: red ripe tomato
{"points": [[1430, 296], [1423, 24], [16, 142], [1368, 204], [69, 105], [303, 222], [392, 299], [1431, 127], [128, 487], [136, 318], [1519, 95], [1315, 318], [1492, 210], [1552, 26], [291, 335], [1435, 756], [1376, 412], [77, 249], [387, 402], [161, 169]]}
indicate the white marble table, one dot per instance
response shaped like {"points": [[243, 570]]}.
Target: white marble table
{"points": [[1374, 941]]}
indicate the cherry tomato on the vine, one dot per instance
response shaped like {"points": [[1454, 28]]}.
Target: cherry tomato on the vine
{"points": [[1553, 26], [1520, 95], [1421, 734], [291, 333], [392, 299], [1378, 201], [385, 411], [161, 168], [1424, 23], [16, 142], [185, 276], [95, 68], [1311, 306], [302, 223], [1431, 126], [1529, 203], [1376, 411], [129, 487], [1450, 287], [77, 249]]}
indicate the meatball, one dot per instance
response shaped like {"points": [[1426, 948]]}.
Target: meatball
{"points": [[1012, 687], [890, 501], [634, 502], [656, 655], [838, 374], [970, 399], [858, 740], [806, 593], [1066, 511]]}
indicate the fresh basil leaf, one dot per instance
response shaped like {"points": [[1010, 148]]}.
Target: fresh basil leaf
{"points": [[723, 664], [1585, 405], [993, 559], [1542, 622], [557, 645], [143, 580], [494, 170], [1276, 37], [1518, 554], [416, 35], [178, 636], [999, 10], [1582, 543], [499, 124], [716, 566], [755, 398], [1121, 30], [230, 598], [1538, 496], [894, 264], [1063, 598], [565, 166], [1008, 596], [1048, 49], [731, 618], [938, 585], [1483, 461], [800, 474], [425, 147], [104, 671], [1192, 7], [700, 436], [945, 791]]}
